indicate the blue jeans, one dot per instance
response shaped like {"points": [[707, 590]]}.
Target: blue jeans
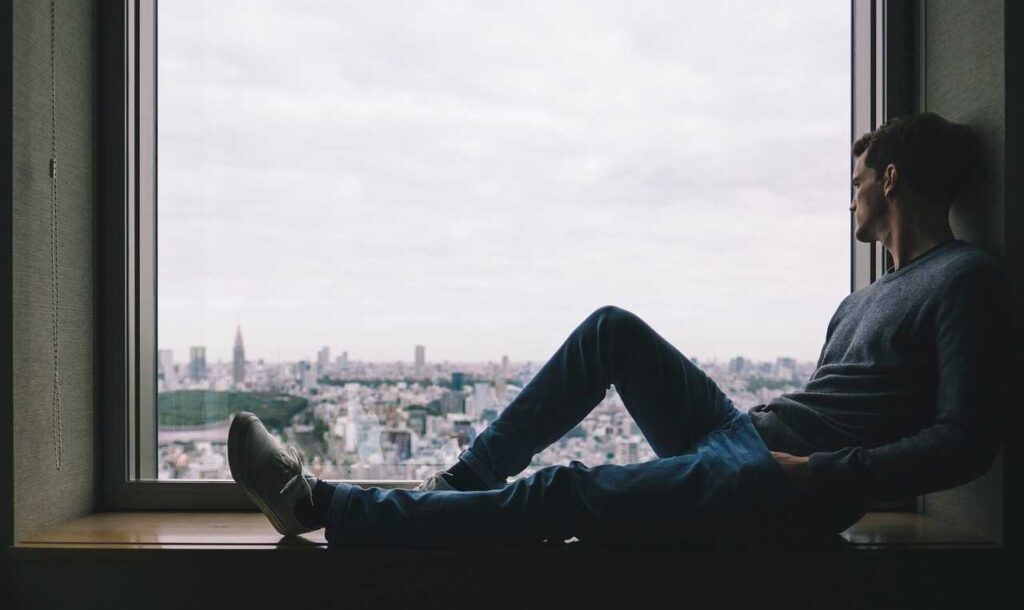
{"points": [[714, 480]]}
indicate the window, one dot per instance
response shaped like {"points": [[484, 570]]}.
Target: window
{"points": [[372, 223]]}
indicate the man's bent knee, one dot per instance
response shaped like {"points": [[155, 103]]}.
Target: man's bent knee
{"points": [[616, 316], [613, 313]]}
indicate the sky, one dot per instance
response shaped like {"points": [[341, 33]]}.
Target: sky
{"points": [[478, 177]]}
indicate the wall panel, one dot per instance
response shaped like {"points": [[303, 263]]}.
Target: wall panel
{"points": [[44, 494]]}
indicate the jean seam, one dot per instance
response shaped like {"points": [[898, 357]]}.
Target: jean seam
{"points": [[340, 500], [484, 473]]}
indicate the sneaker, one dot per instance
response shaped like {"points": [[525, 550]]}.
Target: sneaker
{"points": [[435, 482], [270, 475]]}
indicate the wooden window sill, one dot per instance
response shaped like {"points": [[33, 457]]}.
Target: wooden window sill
{"points": [[235, 530]]}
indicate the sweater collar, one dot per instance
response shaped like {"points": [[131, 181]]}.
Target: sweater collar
{"points": [[891, 273]]}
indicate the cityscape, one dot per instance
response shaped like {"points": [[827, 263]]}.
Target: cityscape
{"points": [[402, 420]]}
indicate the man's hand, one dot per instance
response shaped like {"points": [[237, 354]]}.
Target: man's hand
{"points": [[797, 467]]}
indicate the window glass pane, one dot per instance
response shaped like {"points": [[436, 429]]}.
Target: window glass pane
{"points": [[377, 220]]}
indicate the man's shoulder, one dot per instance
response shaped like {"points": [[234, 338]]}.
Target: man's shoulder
{"points": [[965, 267], [971, 268], [973, 284], [969, 258]]}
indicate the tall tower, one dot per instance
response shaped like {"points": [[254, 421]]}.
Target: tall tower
{"points": [[421, 357], [197, 362], [166, 371], [238, 368], [323, 358]]}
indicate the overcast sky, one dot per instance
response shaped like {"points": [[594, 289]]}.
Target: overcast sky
{"points": [[477, 177]]}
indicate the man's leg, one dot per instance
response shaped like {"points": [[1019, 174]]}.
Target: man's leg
{"points": [[672, 401], [722, 492]]}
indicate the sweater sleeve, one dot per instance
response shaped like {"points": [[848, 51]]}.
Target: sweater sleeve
{"points": [[973, 345]]}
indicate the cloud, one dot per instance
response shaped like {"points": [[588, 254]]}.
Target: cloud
{"points": [[477, 177]]}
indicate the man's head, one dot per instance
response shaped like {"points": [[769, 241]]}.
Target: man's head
{"points": [[913, 165]]}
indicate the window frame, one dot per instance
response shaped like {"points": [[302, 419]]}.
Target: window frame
{"points": [[126, 235], [884, 74]]}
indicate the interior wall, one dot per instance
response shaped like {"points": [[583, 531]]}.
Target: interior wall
{"points": [[6, 368], [44, 493], [963, 78]]}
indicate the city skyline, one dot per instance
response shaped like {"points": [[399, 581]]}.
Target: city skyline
{"points": [[398, 420], [238, 359]]}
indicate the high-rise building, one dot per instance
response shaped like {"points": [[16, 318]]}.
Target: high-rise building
{"points": [[738, 365], [462, 428], [500, 386], [197, 362], [323, 358], [627, 450], [458, 381], [166, 371], [481, 398], [421, 357], [400, 441], [785, 368], [238, 359], [453, 402], [307, 376], [417, 419], [504, 366]]}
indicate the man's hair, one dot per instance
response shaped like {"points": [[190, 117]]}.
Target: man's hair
{"points": [[933, 156]]}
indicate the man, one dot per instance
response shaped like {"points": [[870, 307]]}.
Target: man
{"points": [[906, 399]]}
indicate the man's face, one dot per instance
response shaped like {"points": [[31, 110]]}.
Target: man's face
{"points": [[869, 205]]}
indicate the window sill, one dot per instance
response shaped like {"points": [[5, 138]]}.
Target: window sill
{"points": [[250, 530]]}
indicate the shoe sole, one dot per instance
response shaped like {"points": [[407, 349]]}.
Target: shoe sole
{"points": [[237, 459]]}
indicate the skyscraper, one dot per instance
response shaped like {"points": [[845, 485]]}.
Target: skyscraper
{"points": [[323, 358], [504, 366], [458, 380], [421, 357], [166, 372], [417, 419], [481, 398], [197, 362], [627, 450], [462, 427], [453, 402], [307, 375], [785, 368], [238, 362], [400, 441], [738, 365]]}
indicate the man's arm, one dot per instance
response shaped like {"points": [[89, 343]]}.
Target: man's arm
{"points": [[973, 339]]}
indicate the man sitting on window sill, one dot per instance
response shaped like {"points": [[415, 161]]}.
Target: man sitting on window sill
{"points": [[906, 399]]}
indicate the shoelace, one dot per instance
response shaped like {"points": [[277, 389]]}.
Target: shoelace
{"points": [[295, 465], [433, 482]]}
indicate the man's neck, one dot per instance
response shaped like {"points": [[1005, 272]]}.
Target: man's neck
{"points": [[906, 249], [908, 240]]}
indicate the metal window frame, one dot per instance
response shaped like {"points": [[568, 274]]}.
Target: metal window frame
{"points": [[883, 84], [126, 260], [884, 74]]}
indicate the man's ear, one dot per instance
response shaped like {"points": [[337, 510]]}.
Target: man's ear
{"points": [[889, 179]]}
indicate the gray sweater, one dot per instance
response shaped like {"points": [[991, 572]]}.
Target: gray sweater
{"points": [[911, 386]]}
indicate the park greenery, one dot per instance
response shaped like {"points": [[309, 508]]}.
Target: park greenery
{"points": [[202, 407]]}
